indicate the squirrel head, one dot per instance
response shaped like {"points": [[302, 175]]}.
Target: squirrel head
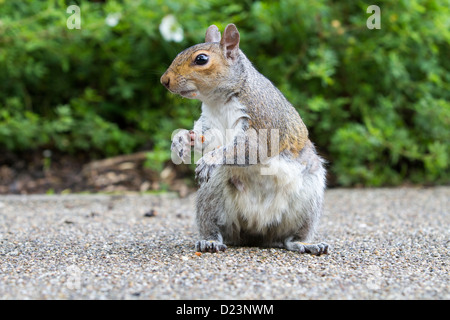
{"points": [[203, 69]]}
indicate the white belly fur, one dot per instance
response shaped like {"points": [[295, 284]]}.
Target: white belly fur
{"points": [[283, 199]]}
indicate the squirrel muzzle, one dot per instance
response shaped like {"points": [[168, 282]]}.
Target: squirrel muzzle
{"points": [[165, 80]]}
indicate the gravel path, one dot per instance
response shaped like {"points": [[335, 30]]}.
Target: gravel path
{"points": [[387, 244]]}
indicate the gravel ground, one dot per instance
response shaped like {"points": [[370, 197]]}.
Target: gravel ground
{"points": [[387, 244]]}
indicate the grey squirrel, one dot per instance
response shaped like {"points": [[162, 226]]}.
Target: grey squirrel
{"points": [[237, 203]]}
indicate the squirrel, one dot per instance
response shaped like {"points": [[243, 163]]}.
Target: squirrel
{"points": [[237, 203]]}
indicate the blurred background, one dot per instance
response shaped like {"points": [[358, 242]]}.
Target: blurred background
{"points": [[82, 110]]}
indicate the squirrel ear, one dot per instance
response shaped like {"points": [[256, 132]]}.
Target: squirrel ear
{"points": [[212, 34], [230, 41]]}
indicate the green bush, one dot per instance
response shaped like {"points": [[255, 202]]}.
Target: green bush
{"points": [[376, 102]]}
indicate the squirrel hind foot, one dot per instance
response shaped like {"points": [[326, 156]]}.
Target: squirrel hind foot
{"points": [[315, 249], [209, 246]]}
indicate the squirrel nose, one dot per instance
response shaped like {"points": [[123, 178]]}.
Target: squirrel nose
{"points": [[165, 80]]}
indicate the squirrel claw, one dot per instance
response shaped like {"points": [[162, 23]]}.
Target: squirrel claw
{"points": [[316, 249], [209, 246], [205, 167], [203, 172]]}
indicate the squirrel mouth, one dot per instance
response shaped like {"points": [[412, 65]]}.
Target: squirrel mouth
{"points": [[186, 92]]}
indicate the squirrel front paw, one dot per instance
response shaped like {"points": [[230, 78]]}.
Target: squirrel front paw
{"points": [[206, 166], [181, 146]]}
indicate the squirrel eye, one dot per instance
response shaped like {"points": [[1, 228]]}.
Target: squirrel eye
{"points": [[201, 59]]}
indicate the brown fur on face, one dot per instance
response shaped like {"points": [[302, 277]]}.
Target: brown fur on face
{"points": [[184, 76]]}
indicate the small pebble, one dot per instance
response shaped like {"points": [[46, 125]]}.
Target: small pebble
{"points": [[151, 213]]}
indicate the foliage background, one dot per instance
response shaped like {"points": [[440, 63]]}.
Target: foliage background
{"points": [[376, 102]]}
